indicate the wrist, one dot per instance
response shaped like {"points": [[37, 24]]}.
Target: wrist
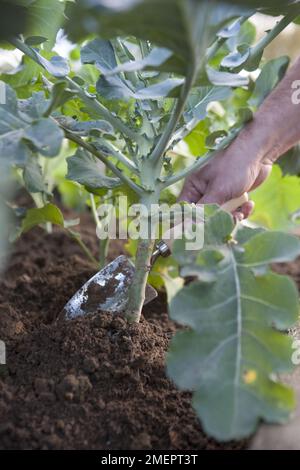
{"points": [[258, 143]]}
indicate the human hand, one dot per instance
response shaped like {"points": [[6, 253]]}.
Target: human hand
{"points": [[234, 171]]}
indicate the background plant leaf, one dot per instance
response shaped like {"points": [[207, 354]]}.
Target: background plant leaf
{"points": [[86, 170], [19, 132], [231, 369]]}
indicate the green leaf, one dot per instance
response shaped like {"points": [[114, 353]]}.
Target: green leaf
{"points": [[200, 97], [35, 40], [46, 137], [290, 161], [20, 132], [186, 27], [218, 78], [86, 170], [56, 66], [270, 247], [33, 177], [25, 77], [12, 20], [60, 93], [232, 353], [114, 88], [214, 140], [101, 53], [44, 19], [276, 200], [34, 217], [269, 77], [35, 106], [152, 61], [237, 58]]}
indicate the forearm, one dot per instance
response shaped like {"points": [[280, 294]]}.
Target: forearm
{"points": [[276, 125]]}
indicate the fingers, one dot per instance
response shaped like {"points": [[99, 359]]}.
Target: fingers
{"points": [[244, 211], [240, 214]]}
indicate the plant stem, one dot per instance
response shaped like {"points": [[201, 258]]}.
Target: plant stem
{"points": [[103, 251], [199, 163], [94, 105], [178, 110], [213, 49], [87, 146], [119, 156], [145, 247], [137, 292], [258, 49], [85, 249]]}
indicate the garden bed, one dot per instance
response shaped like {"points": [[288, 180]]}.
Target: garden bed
{"points": [[94, 383]]}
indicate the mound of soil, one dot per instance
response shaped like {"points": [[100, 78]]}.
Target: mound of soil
{"points": [[92, 383]]}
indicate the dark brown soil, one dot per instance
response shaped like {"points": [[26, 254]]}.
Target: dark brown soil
{"points": [[94, 383]]}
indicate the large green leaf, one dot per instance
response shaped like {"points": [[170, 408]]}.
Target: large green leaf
{"points": [[44, 18], [230, 356], [39, 216], [186, 27], [86, 170], [12, 19], [21, 132], [33, 177]]}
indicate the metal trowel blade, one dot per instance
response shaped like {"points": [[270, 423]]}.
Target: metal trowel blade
{"points": [[107, 291]]}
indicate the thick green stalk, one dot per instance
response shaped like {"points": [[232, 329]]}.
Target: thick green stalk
{"points": [[163, 142], [257, 50], [137, 291], [142, 263]]}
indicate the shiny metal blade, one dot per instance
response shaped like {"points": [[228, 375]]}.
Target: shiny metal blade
{"points": [[107, 291]]}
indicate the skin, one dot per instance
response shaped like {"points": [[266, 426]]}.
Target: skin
{"points": [[248, 161]]}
